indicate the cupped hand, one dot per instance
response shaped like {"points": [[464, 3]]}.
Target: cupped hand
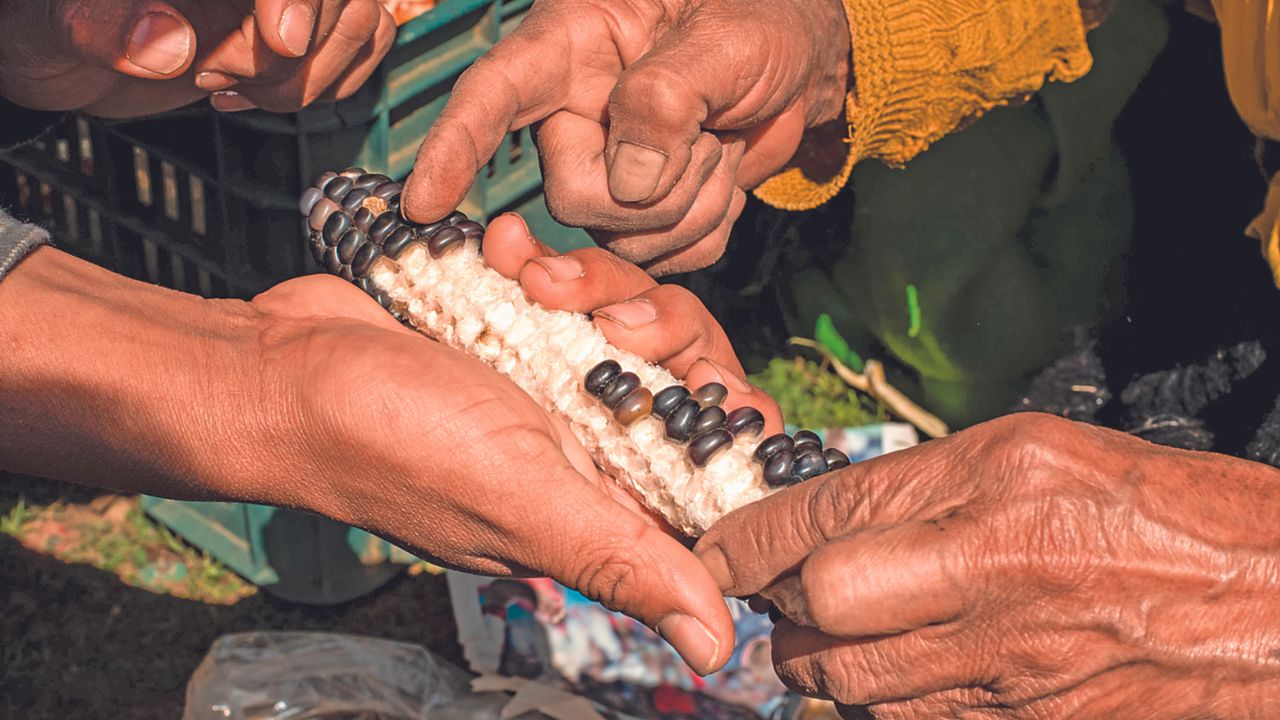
{"points": [[389, 431], [140, 57], [1026, 568], [653, 115]]}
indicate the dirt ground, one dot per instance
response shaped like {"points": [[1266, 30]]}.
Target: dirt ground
{"points": [[77, 642]]}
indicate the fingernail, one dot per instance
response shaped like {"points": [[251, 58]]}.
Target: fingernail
{"points": [[717, 566], [527, 232], [160, 43], [630, 315], [726, 377], [635, 172], [562, 268], [230, 102], [692, 640], [296, 25], [214, 81]]}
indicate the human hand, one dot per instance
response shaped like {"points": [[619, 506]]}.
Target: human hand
{"points": [[128, 59], [653, 115], [434, 450], [1029, 567]]}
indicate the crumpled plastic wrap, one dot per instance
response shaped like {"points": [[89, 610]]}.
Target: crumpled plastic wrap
{"points": [[322, 676]]}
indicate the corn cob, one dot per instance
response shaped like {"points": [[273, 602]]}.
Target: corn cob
{"points": [[674, 448]]}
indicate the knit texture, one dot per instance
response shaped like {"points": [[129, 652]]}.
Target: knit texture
{"points": [[924, 69], [17, 240]]}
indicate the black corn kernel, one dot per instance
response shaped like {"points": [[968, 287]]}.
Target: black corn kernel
{"points": [[808, 465], [364, 259], [745, 421], [351, 203], [775, 615], [350, 244], [386, 191], [345, 273], [471, 229], [807, 446], [679, 423], [669, 399], [454, 218], [777, 469], [711, 418], [352, 172], [807, 436], [323, 180], [446, 240], [317, 249], [338, 188], [711, 394], [365, 284], [634, 406], [320, 214], [371, 181], [618, 388], [773, 444], [397, 242], [708, 444], [364, 219], [384, 225], [331, 261], [308, 201], [835, 459], [599, 377], [335, 227]]}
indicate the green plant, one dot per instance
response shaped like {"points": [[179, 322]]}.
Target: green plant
{"points": [[12, 523], [813, 396]]}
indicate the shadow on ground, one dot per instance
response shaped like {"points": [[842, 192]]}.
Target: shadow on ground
{"points": [[75, 642]]}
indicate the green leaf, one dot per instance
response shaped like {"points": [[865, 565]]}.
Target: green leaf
{"points": [[829, 337]]}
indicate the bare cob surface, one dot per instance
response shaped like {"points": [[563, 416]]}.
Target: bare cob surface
{"points": [[674, 448]]}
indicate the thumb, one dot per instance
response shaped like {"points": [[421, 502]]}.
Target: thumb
{"points": [[611, 554], [148, 40], [887, 580]]}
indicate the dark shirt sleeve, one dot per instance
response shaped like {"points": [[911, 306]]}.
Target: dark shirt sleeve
{"points": [[19, 125]]}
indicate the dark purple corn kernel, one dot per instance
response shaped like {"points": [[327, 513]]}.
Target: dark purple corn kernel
{"points": [[599, 377], [706, 445], [446, 240], [471, 229], [745, 421], [320, 214], [350, 244], [454, 218], [345, 273], [773, 444], [331, 261], [399, 240], [807, 436], [384, 225], [317, 249], [351, 203], [338, 188], [364, 219], [835, 459], [352, 173], [777, 469], [426, 231], [679, 424], [711, 394], [808, 446], [667, 400], [634, 406], [386, 191], [365, 284], [775, 615], [323, 180], [709, 419], [808, 465], [335, 227], [618, 388], [371, 181], [383, 300], [308, 201]]}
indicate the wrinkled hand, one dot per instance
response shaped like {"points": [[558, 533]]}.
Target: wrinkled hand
{"points": [[139, 57], [653, 115], [1026, 568], [389, 431]]}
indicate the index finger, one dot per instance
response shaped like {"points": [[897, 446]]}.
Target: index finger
{"points": [[516, 83]]}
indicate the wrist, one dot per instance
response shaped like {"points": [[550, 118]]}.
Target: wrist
{"points": [[108, 381]]}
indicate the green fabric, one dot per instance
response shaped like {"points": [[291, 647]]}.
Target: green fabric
{"points": [[1008, 230]]}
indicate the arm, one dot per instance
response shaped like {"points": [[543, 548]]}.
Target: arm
{"points": [[1037, 566]]}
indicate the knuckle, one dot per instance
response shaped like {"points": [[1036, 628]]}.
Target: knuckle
{"points": [[657, 95]]}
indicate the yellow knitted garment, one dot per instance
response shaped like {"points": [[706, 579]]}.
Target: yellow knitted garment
{"points": [[922, 68]]}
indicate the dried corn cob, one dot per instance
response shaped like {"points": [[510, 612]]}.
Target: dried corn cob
{"points": [[674, 448]]}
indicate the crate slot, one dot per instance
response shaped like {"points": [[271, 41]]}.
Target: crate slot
{"points": [[142, 175]]}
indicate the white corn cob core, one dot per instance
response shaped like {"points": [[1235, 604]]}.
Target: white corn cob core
{"points": [[461, 302]]}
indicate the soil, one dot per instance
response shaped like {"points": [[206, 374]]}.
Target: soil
{"points": [[80, 643]]}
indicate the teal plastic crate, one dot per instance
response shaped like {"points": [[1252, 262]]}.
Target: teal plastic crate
{"points": [[205, 202]]}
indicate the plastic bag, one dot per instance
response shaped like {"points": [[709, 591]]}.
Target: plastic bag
{"points": [[322, 676]]}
